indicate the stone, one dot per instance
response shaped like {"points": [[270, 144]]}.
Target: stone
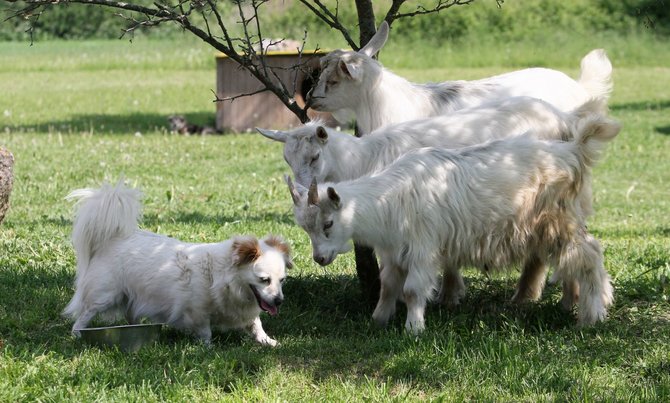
{"points": [[6, 180]]}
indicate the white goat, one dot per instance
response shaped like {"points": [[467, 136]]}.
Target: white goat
{"points": [[489, 206], [314, 151], [354, 82], [327, 155]]}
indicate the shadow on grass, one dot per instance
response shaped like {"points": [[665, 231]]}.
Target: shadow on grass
{"points": [[641, 106], [116, 124], [663, 130], [325, 332], [190, 217]]}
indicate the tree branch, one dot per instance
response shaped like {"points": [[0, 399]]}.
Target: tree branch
{"points": [[331, 19], [394, 14]]}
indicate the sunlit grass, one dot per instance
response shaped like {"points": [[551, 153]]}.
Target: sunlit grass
{"points": [[73, 121]]}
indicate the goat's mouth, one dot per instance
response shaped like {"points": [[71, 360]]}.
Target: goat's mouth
{"points": [[314, 103], [272, 309]]}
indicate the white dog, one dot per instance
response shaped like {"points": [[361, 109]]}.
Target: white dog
{"points": [[124, 271]]}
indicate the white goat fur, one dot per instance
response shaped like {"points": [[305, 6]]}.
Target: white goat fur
{"points": [[489, 206], [316, 151], [354, 82], [313, 151]]}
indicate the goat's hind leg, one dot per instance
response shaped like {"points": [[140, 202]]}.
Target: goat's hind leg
{"points": [[582, 261]]}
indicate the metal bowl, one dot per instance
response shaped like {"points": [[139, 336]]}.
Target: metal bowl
{"points": [[128, 338]]}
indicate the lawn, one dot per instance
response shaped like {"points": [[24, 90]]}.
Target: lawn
{"points": [[77, 113]]}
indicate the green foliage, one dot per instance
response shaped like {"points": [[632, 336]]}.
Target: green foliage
{"points": [[76, 113], [513, 20]]}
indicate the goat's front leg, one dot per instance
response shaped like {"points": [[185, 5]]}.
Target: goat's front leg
{"points": [[255, 329], [453, 287], [531, 283], [418, 287], [392, 278]]}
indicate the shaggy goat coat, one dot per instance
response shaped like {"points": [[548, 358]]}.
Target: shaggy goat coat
{"points": [[489, 206], [354, 82]]}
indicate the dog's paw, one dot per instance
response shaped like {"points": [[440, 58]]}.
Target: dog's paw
{"points": [[268, 341]]}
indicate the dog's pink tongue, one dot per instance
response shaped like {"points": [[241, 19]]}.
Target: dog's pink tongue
{"points": [[272, 310]]}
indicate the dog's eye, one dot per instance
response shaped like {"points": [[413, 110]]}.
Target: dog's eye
{"points": [[330, 83], [327, 225], [265, 280], [315, 158]]}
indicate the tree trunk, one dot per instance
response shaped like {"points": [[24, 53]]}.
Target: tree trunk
{"points": [[366, 262], [6, 180], [366, 21]]}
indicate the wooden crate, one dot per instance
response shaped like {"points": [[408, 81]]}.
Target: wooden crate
{"points": [[264, 109]]}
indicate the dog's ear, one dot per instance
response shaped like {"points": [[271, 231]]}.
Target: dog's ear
{"points": [[245, 250], [283, 247]]}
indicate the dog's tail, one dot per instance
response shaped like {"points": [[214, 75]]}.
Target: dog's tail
{"points": [[592, 134], [596, 74], [102, 214]]}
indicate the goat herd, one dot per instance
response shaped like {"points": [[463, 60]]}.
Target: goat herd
{"points": [[488, 173]]}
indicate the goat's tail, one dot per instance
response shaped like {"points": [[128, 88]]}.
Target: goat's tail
{"points": [[102, 214], [594, 106], [592, 135], [596, 74]]}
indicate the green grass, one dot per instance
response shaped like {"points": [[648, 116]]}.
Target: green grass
{"points": [[76, 113]]}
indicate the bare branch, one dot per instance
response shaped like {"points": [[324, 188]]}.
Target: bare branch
{"points": [[233, 98], [440, 5], [330, 19]]}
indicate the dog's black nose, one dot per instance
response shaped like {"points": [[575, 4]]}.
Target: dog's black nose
{"points": [[278, 301], [320, 259]]}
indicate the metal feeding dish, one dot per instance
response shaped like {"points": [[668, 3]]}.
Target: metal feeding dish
{"points": [[128, 338]]}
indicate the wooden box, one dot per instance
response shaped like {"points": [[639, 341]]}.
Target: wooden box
{"points": [[264, 109]]}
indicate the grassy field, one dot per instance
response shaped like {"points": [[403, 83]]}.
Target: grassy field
{"points": [[75, 114]]}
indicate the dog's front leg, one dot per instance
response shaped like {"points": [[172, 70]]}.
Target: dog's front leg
{"points": [[257, 332]]}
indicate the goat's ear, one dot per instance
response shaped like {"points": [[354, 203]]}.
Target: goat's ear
{"points": [[295, 194], [245, 250], [334, 198], [377, 42], [322, 134], [275, 135], [313, 194], [350, 70]]}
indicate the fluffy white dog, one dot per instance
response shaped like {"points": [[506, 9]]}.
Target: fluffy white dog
{"points": [[125, 271]]}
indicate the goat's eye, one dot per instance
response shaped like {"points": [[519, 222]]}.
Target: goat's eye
{"points": [[315, 158], [327, 225], [330, 83]]}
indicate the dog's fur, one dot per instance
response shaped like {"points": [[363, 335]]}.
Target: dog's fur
{"points": [[125, 271], [492, 205]]}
